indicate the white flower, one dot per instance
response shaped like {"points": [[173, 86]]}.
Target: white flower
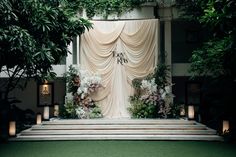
{"points": [[79, 91], [89, 81], [167, 89], [163, 95], [85, 90], [149, 86], [82, 96], [161, 91], [154, 88], [80, 112], [69, 97], [144, 84]]}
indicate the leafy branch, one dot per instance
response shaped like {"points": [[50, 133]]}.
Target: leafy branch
{"points": [[104, 7]]}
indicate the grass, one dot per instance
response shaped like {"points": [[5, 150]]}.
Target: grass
{"points": [[117, 149]]}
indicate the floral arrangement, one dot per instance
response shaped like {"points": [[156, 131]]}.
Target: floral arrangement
{"points": [[81, 84], [153, 97]]}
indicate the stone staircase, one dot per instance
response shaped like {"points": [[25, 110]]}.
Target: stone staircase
{"points": [[118, 129]]}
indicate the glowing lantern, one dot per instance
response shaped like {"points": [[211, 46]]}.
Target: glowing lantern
{"points": [[46, 113], [56, 110], [191, 112], [45, 89], [12, 128], [225, 126], [38, 119], [182, 112]]}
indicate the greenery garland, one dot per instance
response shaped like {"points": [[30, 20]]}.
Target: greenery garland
{"points": [[104, 7]]}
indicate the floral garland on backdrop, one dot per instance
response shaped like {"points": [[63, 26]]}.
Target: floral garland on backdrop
{"points": [[153, 97], [81, 84]]}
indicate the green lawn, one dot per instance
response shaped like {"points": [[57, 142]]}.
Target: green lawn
{"points": [[117, 149]]}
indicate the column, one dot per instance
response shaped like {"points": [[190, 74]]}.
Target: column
{"points": [[168, 42], [69, 61], [78, 50], [167, 47]]}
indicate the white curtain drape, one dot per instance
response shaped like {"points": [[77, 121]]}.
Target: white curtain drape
{"points": [[137, 41]]}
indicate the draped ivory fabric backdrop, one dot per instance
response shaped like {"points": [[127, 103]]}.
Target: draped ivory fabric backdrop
{"points": [[138, 42]]}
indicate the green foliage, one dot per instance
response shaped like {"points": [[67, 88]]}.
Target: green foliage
{"points": [[70, 75], [67, 110], [34, 34], [209, 59], [216, 58], [140, 109], [72, 110], [105, 7], [95, 113], [175, 110], [161, 75], [152, 102], [218, 55], [136, 83]]}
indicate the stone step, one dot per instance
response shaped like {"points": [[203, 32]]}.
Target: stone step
{"points": [[118, 132], [119, 137], [119, 122], [118, 129]]}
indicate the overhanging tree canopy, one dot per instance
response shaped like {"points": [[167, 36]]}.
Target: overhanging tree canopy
{"points": [[34, 34], [217, 57]]}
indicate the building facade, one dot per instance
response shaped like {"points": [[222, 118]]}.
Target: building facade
{"points": [[177, 40]]}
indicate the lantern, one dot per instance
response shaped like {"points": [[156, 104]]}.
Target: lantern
{"points": [[12, 128], [45, 89], [182, 112], [46, 113], [225, 126], [191, 112], [38, 119], [56, 110]]}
